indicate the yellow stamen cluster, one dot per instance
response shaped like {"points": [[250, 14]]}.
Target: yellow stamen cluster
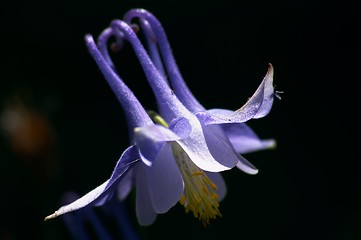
{"points": [[200, 195]]}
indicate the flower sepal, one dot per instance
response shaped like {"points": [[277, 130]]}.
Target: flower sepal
{"points": [[257, 106]]}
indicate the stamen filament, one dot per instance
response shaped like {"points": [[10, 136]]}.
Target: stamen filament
{"points": [[200, 195]]}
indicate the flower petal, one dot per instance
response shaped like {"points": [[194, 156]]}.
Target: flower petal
{"points": [[217, 179], [257, 106], [81, 202], [150, 139], [220, 149], [144, 210], [125, 185], [181, 127], [129, 156], [244, 140], [246, 166], [165, 182], [268, 94], [102, 192], [195, 146], [223, 151]]}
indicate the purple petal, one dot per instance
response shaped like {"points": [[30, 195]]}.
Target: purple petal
{"points": [[125, 185], [102, 192], [164, 180], [244, 140], [130, 155], [217, 179], [257, 106], [150, 140], [220, 149], [268, 94], [81, 202], [246, 166], [144, 210], [223, 151], [195, 146], [181, 127]]}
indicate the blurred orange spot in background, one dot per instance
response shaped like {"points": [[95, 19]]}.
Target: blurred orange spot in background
{"points": [[31, 138]]}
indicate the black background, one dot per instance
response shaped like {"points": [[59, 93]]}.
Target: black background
{"points": [[307, 188]]}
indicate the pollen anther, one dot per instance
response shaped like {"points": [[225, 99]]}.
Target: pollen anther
{"points": [[200, 196]]}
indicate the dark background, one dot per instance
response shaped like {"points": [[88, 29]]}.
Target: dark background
{"points": [[307, 188]]}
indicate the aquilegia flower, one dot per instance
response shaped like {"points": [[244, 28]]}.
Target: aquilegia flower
{"points": [[172, 109], [177, 156]]}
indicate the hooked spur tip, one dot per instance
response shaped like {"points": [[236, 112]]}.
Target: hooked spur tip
{"points": [[88, 37]]}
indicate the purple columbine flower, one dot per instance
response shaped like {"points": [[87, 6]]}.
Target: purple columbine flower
{"points": [[173, 110], [232, 123], [182, 154]]}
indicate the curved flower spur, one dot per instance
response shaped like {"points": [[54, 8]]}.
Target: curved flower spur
{"points": [[231, 123]]}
